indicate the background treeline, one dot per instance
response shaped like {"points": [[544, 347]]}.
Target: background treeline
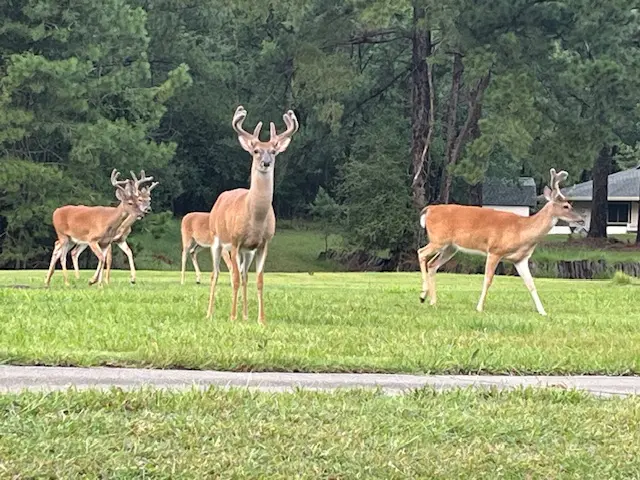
{"points": [[401, 103]]}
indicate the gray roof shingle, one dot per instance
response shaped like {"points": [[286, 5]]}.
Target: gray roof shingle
{"points": [[624, 184], [507, 191]]}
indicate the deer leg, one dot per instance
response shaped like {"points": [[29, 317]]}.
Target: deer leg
{"points": [[124, 246], [107, 264], [75, 255], [235, 279], [443, 256], [64, 249], [194, 259], [227, 260], [185, 250], [247, 258], [216, 251], [97, 251], [423, 254], [523, 270], [261, 256], [489, 271], [55, 256]]}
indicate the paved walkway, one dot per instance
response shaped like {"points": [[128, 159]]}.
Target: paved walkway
{"points": [[15, 379]]}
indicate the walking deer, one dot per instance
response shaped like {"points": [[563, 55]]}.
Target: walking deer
{"points": [[121, 236], [498, 235], [243, 221], [196, 236], [95, 226]]}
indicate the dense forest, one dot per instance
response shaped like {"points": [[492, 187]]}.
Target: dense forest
{"points": [[401, 103]]}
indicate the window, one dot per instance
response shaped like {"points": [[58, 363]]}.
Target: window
{"points": [[618, 213]]}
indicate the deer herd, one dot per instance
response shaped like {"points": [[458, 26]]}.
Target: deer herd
{"points": [[242, 222]]}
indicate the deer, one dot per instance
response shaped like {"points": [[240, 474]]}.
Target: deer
{"points": [[497, 235], [243, 221], [95, 226], [121, 237], [196, 235]]}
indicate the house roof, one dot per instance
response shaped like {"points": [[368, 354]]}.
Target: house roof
{"points": [[508, 191], [623, 186]]}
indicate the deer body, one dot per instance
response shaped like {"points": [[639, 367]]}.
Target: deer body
{"points": [[242, 221], [498, 235], [196, 235], [95, 227]]}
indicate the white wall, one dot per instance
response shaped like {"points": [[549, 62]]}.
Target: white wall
{"points": [[522, 211]]}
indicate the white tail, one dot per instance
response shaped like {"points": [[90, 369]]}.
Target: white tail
{"points": [[94, 226], [242, 220], [498, 235], [196, 236]]}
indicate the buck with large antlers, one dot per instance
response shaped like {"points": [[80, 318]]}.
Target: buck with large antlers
{"points": [[243, 221], [498, 235], [144, 197], [196, 236], [95, 226]]}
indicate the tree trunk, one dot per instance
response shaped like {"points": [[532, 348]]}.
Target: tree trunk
{"points": [[421, 105], [599, 199], [475, 192], [473, 116]]}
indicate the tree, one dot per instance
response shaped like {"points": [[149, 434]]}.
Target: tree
{"points": [[75, 101]]}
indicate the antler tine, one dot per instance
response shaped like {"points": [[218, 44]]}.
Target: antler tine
{"points": [[114, 179], [152, 186], [256, 131]]}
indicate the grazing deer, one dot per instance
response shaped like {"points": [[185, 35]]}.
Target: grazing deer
{"points": [[95, 226], [196, 236], [243, 221], [121, 237], [498, 235]]}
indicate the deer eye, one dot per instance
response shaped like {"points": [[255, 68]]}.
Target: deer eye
{"points": [[566, 207], [256, 151]]}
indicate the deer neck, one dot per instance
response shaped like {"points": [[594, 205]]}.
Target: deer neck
{"points": [[540, 224], [118, 217], [260, 195]]}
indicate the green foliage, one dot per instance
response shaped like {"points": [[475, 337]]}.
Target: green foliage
{"points": [[328, 213], [29, 193]]}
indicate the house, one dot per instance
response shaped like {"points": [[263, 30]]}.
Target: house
{"points": [[509, 195], [624, 197]]}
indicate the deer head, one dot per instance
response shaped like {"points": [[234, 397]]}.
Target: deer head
{"points": [[264, 153], [129, 194], [560, 208], [143, 196]]}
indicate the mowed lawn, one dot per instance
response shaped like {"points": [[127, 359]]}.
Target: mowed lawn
{"points": [[348, 434], [359, 322]]}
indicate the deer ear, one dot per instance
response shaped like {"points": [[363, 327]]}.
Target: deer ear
{"points": [[121, 194], [282, 144], [246, 144]]}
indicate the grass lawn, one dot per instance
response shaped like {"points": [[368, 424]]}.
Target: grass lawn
{"points": [[349, 434], [324, 322]]}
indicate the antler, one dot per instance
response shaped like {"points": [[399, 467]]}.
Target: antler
{"points": [[114, 179], [291, 121], [556, 179], [152, 186], [143, 179], [238, 119]]}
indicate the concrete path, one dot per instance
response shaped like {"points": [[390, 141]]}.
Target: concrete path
{"points": [[16, 379]]}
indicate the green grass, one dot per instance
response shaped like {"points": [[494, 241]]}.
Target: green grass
{"points": [[349, 434], [324, 322]]}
